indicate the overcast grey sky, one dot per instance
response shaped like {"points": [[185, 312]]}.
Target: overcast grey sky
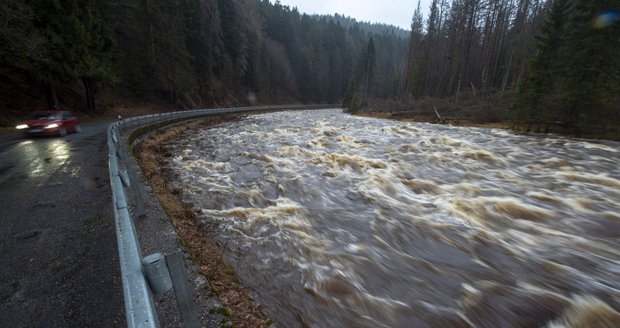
{"points": [[394, 12]]}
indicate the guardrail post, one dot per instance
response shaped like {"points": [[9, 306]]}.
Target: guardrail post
{"points": [[165, 272], [182, 290], [129, 179], [140, 212], [124, 178]]}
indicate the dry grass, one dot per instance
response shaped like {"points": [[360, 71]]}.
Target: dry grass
{"points": [[489, 110], [433, 119], [235, 297], [479, 110]]}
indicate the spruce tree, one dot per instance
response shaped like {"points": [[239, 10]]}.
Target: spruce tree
{"points": [[591, 65], [575, 77], [537, 97], [79, 46], [369, 71], [20, 44]]}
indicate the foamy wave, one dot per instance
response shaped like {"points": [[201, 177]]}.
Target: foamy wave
{"points": [[355, 162], [403, 130], [486, 211], [285, 214], [201, 165], [479, 154], [543, 197], [587, 311], [420, 186], [600, 179], [444, 140], [408, 148]]}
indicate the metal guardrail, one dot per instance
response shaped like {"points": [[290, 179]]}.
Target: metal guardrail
{"points": [[139, 306]]}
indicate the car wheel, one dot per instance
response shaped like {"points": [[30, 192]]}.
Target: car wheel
{"points": [[62, 131], [77, 128]]}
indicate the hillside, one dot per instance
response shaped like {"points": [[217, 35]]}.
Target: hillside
{"points": [[96, 55]]}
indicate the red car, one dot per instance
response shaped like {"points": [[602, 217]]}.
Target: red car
{"points": [[50, 122]]}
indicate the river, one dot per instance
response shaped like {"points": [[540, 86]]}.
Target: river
{"points": [[342, 221]]}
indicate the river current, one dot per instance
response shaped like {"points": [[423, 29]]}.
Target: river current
{"points": [[334, 220]]}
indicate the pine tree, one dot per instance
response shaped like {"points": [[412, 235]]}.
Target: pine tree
{"points": [[592, 65], [369, 71], [78, 46], [95, 43], [20, 43], [413, 73], [198, 46], [363, 77], [575, 77], [536, 97]]}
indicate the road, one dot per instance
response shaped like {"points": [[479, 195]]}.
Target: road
{"points": [[59, 263]]}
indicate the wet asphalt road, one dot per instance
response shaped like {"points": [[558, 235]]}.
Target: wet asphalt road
{"points": [[59, 264]]}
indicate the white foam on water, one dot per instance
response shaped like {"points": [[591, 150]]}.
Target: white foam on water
{"points": [[378, 220]]}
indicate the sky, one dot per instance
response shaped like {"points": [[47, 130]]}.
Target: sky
{"points": [[393, 12]]}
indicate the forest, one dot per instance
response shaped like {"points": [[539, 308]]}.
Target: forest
{"points": [[536, 63], [189, 53]]}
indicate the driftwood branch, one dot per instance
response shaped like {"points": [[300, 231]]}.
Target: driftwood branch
{"points": [[436, 112]]}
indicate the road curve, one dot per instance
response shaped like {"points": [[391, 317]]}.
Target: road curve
{"points": [[59, 263]]}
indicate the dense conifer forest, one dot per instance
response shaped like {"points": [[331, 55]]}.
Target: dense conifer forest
{"points": [[190, 53], [538, 63]]}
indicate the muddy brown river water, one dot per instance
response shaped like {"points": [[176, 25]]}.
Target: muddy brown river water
{"points": [[340, 221]]}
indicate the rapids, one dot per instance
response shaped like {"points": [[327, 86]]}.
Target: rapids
{"points": [[340, 221]]}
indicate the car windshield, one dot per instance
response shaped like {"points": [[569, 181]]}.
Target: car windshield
{"points": [[43, 116]]}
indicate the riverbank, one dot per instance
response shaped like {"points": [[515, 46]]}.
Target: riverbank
{"points": [[475, 110], [150, 152], [414, 117]]}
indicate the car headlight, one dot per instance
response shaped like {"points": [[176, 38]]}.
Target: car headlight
{"points": [[22, 126], [51, 126]]}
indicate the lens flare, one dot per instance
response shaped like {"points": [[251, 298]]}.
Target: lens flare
{"points": [[607, 18]]}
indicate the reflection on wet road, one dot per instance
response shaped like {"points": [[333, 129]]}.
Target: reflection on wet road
{"points": [[40, 157], [341, 221], [34, 158]]}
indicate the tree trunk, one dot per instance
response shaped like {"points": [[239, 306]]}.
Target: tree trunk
{"points": [[90, 94], [366, 83], [439, 89], [50, 93], [408, 70], [458, 89], [507, 72]]}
